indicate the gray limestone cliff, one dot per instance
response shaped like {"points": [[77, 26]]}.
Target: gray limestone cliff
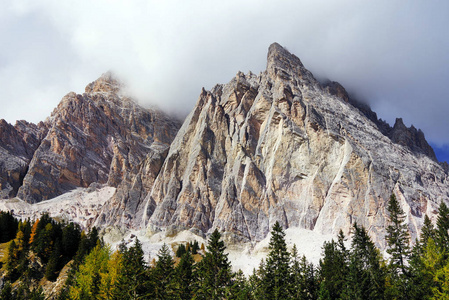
{"points": [[281, 146]]}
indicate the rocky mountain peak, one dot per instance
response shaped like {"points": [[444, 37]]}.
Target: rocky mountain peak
{"points": [[280, 57], [399, 124], [106, 83], [286, 66], [411, 138], [98, 137]]}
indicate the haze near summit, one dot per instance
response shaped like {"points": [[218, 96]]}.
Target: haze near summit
{"points": [[392, 54]]}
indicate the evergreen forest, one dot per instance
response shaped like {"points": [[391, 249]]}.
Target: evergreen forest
{"points": [[47, 251]]}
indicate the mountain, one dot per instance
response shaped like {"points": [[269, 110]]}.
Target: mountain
{"points": [[282, 146], [278, 146], [99, 137]]}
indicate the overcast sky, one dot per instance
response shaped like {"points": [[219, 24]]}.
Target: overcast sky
{"points": [[393, 54]]}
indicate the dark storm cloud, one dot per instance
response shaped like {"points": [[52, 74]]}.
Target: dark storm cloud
{"points": [[393, 54]]}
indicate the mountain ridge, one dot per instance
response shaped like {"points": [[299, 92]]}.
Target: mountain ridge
{"points": [[275, 146]]}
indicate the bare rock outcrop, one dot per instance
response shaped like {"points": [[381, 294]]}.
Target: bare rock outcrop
{"points": [[99, 137], [281, 146], [17, 146], [411, 138]]}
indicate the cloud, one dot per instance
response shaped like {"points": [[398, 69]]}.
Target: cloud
{"points": [[393, 54]]}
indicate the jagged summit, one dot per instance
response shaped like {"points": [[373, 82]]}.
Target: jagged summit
{"points": [[107, 83], [281, 63], [281, 57], [411, 138]]}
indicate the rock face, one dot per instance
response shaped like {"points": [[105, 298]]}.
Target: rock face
{"points": [[17, 146], [282, 146], [411, 138], [99, 137]]}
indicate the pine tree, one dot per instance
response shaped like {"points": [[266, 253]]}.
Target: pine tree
{"points": [[25, 229], [163, 274], [20, 253], [442, 282], [12, 260], [257, 285], [422, 268], [427, 232], [397, 238], [71, 236], [134, 283], [54, 263], [34, 231], [240, 288], [181, 250], [420, 279], [437, 267], [39, 235], [442, 231], [195, 247], [214, 271], [304, 282], [334, 269], [297, 275], [44, 242], [8, 227], [82, 251], [311, 286], [366, 278], [184, 277], [93, 238], [277, 278]]}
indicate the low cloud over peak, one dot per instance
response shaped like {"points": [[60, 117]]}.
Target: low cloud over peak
{"points": [[393, 55]]}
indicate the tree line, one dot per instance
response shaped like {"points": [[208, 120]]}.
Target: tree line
{"points": [[40, 250], [355, 271]]}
